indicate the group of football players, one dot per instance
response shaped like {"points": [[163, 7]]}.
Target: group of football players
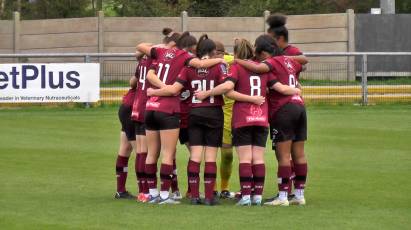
{"points": [[193, 91]]}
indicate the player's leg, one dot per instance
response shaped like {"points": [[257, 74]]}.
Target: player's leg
{"points": [[195, 140], [124, 152], [153, 152], [283, 126], [242, 141], [213, 136], [226, 158], [300, 161], [140, 163], [300, 165], [169, 139], [126, 138], [210, 174], [245, 173], [260, 135]]}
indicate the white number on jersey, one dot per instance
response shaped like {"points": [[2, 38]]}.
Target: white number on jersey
{"points": [[199, 85], [291, 81], [255, 84], [143, 75], [160, 69]]}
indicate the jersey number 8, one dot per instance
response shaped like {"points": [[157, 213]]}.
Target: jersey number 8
{"points": [[255, 86]]}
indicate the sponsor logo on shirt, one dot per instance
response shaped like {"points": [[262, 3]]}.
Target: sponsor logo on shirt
{"points": [[152, 102], [256, 114], [169, 55], [185, 95], [203, 72]]}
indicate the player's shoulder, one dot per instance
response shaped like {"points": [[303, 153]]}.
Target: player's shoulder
{"points": [[292, 50]]}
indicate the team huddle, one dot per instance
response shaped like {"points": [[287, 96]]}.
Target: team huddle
{"points": [[192, 91]]}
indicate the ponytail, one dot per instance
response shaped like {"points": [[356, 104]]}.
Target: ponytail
{"points": [[205, 46]]}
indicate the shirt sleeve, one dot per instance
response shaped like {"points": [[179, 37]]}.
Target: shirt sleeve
{"points": [[272, 79], [188, 57], [232, 74], [270, 63], [182, 76]]}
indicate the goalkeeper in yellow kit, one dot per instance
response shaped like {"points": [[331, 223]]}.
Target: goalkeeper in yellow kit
{"points": [[226, 161]]}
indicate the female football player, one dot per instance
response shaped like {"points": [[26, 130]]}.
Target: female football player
{"points": [[279, 32], [205, 122], [288, 122], [127, 142], [162, 113], [250, 121], [139, 107], [226, 157]]}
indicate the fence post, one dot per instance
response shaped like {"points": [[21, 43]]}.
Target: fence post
{"points": [[184, 21], [87, 59], [364, 84], [265, 16], [16, 33], [100, 25], [351, 44]]}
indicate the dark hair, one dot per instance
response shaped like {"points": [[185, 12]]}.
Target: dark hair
{"points": [[266, 43], [170, 36], [205, 46], [243, 49], [186, 40], [277, 25]]}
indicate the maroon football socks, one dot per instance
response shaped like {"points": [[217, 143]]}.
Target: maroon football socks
{"points": [[140, 172], [193, 171], [121, 173], [210, 174], [246, 178], [300, 176], [258, 178], [174, 180]]}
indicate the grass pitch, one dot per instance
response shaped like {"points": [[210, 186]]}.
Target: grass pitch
{"points": [[57, 172]]}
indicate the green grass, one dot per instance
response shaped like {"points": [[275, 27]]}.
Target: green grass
{"points": [[57, 172]]}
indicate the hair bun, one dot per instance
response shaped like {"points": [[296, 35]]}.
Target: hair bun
{"points": [[276, 20], [167, 31]]}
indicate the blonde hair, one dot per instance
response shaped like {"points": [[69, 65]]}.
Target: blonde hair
{"points": [[243, 49]]}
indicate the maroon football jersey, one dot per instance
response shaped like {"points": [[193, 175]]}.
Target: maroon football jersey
{"points": [[139, 105], [167, 64], [200, 80], [128, 98], [253, 84], [291, 50], [285, 71]]}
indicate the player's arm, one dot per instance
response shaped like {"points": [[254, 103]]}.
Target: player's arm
{"points": [[300, 59], [258, 100], [205, 63], [166, 91], [144, 48], [219, 90], [154, 80], [254, 67], [133, 82], [285, 89]]}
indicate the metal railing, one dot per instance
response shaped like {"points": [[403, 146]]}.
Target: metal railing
{"points": [[330, 77]]}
